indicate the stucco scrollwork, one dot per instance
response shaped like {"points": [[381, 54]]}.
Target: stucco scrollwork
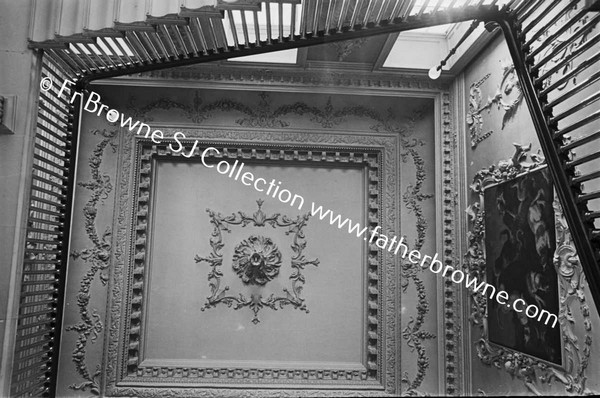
{"points": [[260, 116], [347, 47], [257, 261], [576, 337], [508, 96]]}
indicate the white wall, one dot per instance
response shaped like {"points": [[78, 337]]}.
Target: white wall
{"points": [[18, 77]]}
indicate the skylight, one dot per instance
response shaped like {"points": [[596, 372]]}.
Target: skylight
{"points": [[278, 57]]}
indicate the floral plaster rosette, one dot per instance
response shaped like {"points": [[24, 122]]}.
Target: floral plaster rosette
{"points": [[257, 260]]}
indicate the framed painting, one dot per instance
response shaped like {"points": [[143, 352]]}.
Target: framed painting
{"points": [[520, 242]]}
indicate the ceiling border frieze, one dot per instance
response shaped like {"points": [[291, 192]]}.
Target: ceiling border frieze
{"points": [[220, 76]]}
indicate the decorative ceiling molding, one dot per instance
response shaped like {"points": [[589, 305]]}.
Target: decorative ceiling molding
{"points": [[338, 65], [126, 373], [235, 77]]}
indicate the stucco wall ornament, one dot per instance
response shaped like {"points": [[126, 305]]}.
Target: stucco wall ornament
{"points": [[97, 257], [508, 96], [257, 261], [577, 337], [259, 116], [413, 198], [347, 47]]}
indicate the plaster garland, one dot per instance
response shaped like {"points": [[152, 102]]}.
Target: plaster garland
{"points": [[90, 326]]}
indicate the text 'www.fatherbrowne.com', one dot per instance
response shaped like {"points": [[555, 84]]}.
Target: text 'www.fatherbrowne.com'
{"points": [[273, 188], [374, 236]]}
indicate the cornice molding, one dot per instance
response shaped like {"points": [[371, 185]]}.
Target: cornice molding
{"points": [[268, 79]]}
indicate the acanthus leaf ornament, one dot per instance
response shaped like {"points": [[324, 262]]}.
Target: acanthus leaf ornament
{"points": [[257, 260]]}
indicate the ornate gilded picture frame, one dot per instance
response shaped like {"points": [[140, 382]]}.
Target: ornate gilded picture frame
{"points": [[504, 185]]}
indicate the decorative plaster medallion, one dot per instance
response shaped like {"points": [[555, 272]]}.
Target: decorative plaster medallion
{"points": [[256, 260]]}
